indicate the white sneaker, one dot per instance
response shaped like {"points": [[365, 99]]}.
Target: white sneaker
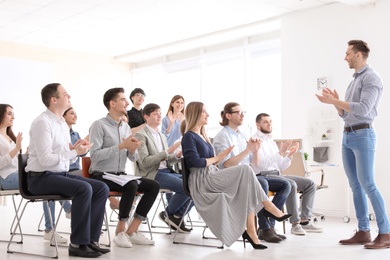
{"points": [[122, 240], [139, 239], [310, 228], [60, 239], [297, 229]]}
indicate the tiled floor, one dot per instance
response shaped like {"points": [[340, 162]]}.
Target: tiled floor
{"points": [[311, 246]]}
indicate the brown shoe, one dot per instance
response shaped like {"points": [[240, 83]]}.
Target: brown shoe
{"points": [[380, 242], [269, 236], [359, 238], [283, 237]]}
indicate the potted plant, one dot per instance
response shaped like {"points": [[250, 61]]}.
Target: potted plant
{"points": [[323, 137], [306, 156]]}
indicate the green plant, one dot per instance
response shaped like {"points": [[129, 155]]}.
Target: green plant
{"points": [[323, 135], [306, 156]]}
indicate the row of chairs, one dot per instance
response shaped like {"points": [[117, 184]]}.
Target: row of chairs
{"points": [[23, 191]]}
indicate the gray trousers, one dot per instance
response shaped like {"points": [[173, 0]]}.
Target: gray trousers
{"points": [[308, 189]]}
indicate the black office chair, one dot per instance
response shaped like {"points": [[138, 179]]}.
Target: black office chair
{"points": [[184, 171], [26, 194]]}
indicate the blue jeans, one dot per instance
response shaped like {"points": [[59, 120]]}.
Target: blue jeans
{"points": [[282, 189], [65, 203], [358, 152], [11, 182], [179, 201]]}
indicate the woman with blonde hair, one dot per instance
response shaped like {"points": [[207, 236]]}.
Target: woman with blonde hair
{"points": [[170, 126], [226, 199]]}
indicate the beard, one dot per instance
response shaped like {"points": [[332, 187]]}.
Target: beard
{"points": [[265, 131]]}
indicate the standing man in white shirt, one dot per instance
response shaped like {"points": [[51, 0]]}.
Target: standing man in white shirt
{"points": [[50, 153], [274, 161]]}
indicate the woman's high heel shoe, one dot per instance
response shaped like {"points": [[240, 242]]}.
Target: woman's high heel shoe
{"points": [[245, 236], [270, 215]]}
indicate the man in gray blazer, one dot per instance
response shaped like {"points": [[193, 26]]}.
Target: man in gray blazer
{"points": [[155, 160]]}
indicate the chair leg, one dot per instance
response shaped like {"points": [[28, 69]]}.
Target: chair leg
{"points": [[107, 229], [164, 204], [18, 219], [16, 209], [193, 244]]}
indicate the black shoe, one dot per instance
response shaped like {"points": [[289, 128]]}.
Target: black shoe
{"points": [[246, 237], [83, 251], [279, 235], [270, 215], [95, 247], [175, 222], [163, 218], [269, 236]]}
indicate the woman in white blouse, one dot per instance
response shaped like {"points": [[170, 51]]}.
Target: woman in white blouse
{"points": [[10, 145]]}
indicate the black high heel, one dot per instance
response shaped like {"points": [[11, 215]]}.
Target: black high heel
{"points": [[245, 236], [268, 214]]}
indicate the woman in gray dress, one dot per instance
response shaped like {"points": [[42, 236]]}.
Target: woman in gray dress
{"points": [[226, 199]]}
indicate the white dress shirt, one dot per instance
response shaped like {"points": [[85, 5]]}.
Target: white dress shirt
{"points": [[8, 165], [49, 144], [270, 159]]}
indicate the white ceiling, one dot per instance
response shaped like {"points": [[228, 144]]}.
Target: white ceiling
{"points": [[118, 27]]}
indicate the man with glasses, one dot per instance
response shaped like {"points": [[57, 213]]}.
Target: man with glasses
{"points": [[245, 152], [134, 115], [273, 162]]}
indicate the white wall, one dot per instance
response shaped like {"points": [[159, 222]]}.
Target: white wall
{"points": [[25, 70], [313, 45]]}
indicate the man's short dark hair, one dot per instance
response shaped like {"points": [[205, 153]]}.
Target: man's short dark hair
{"points": [[111, 94], [260, 116], [150, 108], [49, 91], [360, 46], [135, 91]]}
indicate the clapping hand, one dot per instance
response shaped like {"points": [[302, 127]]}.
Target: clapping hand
{"points": [[81, 146], [223, 154], [327, 96], [131, 144], [253, 144], [293, 149]]}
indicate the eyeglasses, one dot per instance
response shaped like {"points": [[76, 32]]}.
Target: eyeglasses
{"points": [[139, 95], [241, 113]]}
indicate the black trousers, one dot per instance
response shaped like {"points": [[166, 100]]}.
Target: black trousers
{"points": [[149, 189]]}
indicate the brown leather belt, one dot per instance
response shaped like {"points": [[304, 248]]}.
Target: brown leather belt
{"points": [[356, 127]]}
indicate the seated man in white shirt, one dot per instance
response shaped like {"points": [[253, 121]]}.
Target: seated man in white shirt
{"points": [[277, 160], [50, 153]]}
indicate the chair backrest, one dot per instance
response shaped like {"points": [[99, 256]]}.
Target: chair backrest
{"points": [[298, 166], [185, 172], [23, 188], [85, 164]]}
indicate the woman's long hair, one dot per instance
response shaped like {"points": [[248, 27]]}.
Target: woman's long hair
{"points": [[193, 113], [176, 97], [3, 111]]}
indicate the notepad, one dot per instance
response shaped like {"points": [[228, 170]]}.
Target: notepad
{"points": [[121, 179]]}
